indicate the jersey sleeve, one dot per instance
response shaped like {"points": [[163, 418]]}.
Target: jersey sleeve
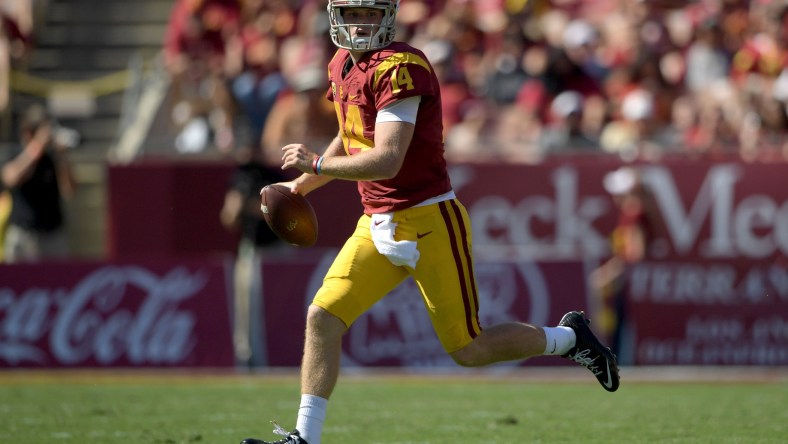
{"points": [[402, 75]]}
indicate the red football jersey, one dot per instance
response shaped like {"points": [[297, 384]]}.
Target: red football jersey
{"points": [[378, 79]]}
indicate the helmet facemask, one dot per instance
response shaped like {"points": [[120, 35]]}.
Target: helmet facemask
{"points": [[380, 35]]}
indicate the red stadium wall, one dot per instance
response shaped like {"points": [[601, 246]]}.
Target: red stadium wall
{"points": [[557, 209], [171, 209], [715, 292]]}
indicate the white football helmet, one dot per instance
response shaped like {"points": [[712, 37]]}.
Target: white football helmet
{"points": [[380, 35]]}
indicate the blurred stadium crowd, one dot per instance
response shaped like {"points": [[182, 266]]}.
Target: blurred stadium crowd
{"points": [[521, 79]]}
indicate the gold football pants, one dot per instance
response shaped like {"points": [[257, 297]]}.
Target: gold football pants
{"points": [[360, 276]]}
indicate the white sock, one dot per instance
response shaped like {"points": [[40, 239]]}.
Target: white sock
{"points": [[559, 340], [311, 415]]}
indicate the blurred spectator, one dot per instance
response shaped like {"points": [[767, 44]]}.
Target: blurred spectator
{"points": [[507, 76], [707, 61], [763, 133], [764, 52], [252, 64], [457, 23], [38, 174], [517, 131], [595, 116], [302, 113], [194, 56], [649, 70], [467, 140], [241, 213], [720, 115], [309, 45], [637, 133], [565, 132], [455, 92], [581, 42], [563, 74], [683, 130], [629, 244]]}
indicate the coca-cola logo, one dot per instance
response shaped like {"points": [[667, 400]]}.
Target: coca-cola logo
{"points": [[114, 313]]}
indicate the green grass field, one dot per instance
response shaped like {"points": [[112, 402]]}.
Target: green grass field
{"points": [[172, 408]]}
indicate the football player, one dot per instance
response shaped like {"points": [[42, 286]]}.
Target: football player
{"points": [[388, 106]]}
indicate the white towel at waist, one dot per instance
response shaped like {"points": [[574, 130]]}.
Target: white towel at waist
{"points": [[398, 252]]}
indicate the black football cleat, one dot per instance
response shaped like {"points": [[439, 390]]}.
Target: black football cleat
{"points": [[590, 353], [289, 437]]}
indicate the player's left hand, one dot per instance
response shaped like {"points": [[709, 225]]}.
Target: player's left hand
{"points": [[297, 155]]}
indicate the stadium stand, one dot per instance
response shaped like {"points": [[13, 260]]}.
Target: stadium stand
{"points": [[84, 65], [504, 66]]}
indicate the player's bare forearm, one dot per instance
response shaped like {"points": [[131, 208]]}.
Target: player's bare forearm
{"points": [[335, 148], [306, 183], [381, 162]]}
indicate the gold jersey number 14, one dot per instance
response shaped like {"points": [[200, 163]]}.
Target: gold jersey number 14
{"points": [[399, 78]]}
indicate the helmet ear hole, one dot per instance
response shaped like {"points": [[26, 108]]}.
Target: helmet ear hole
{"points": [[379, 35]]}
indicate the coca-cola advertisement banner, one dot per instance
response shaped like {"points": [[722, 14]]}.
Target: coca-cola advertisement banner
{"points": [[176, 314], [115, 315]]}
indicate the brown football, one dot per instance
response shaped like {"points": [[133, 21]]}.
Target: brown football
{"points": [[289, 215]]}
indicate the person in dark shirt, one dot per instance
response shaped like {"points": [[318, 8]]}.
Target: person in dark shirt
{"points": [[241, 212], [38, 174]]}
